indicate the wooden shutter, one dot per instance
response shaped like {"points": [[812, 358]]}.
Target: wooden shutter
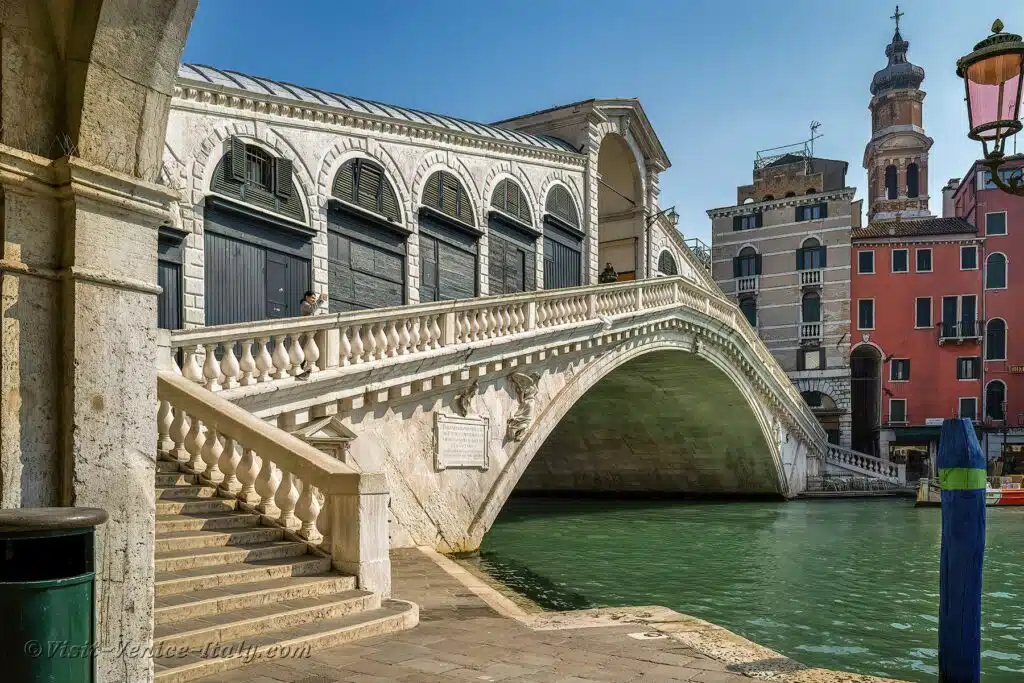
{"points": [[432, 192], [368, 186], [824, 209], [237, 159], [737, 223], [757, 219], [799, 215], [824, 252], [345, 182], [799, 258], [283, 177], [735, 266], [389, 202], [757, 264]]}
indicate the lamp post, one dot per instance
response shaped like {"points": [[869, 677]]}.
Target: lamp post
{"points": [[992, 76]]}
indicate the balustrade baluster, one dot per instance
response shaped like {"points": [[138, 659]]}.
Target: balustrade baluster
{"points": [[192, 369], [246, 471], [414, 335], [247, 365], [194, 443], [493, 322], [474, 326], [357, 344], [267, 482], [296, 356], [211, 453], [382, 342], [323, 524], [164, 420], [228, 464], [179, 432], [435, 332], [307, 509], [393, 339], [370, 342], [312, 352], [286, 498], [279, 358], [346, 347], [229, 367], [404, 338], [211, 368], [264, 361]]}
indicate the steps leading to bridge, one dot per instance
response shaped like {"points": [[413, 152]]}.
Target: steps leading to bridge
{"points": [[230, 589]]}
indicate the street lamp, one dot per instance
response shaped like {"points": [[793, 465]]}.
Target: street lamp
{"points": [[992, 79]]}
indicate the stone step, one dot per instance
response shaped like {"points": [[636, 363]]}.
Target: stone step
{"points": [[167, 466], [174, 479], [202, 578], [190, 540], [185, 506], [194, 558], [188, 490], [171, 523], [214, 601], [254, 621], [390, 617]]}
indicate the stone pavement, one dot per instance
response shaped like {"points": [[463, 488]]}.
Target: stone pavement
{"points": [[460, 638]]}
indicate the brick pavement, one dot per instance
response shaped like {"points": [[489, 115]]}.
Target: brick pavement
{"points": [[460, 638]]}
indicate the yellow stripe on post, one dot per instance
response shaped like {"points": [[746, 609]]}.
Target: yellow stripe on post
{"points": [[962, 479]]}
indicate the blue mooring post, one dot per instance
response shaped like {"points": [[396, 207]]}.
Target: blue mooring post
{"points": [[963, 477]]}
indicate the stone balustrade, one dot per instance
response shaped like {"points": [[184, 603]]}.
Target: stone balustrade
{"points": [[247, 354], [322, 500], [862, 463], [811, 278]]}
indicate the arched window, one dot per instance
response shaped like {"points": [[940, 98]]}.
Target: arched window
{"points": [[748, 200], [508, 198], [790, 194], [913, 181], [995, 397], [747, 263], [446, 194], [891, 189], [667, 264], [748, 306], [810, 308], [811, 190], [361, 182], [253, 176], [810, 255], [560, 204], [995, 340], [768, 198], [995, 271]]}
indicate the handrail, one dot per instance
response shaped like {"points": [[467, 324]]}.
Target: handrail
{"points": [[857, 461]]}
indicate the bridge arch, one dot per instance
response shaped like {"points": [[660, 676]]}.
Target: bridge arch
{"points": [[649, 367]]}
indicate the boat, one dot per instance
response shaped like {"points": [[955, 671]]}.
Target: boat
{"points": [[999, 491]]}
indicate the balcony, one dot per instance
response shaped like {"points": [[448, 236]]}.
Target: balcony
{"points": [[700, 250], [960, 331], [811, 278], [811, 331], [896, 420], [747, 284]]}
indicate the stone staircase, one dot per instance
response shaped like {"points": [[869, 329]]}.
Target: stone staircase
{"points": [[231, 590]]}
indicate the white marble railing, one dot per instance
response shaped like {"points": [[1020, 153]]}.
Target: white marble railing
{"points": [[810, 330], [748, 284], [810, 277], [862, 463], [230, 356], [323, 500]]}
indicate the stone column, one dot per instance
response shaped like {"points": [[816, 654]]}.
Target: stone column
{"points": [[78, 396]]}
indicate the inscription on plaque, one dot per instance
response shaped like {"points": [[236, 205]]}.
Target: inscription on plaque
{"points": [[460, 441]]}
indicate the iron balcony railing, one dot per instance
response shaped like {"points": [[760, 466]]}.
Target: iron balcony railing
{"points": [[700, 250], [960, 331], [896, 420]]}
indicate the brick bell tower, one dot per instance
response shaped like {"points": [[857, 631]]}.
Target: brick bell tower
{"points": [[896, 157]]}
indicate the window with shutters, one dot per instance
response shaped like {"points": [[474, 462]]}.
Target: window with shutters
{"points": [[811, 255], [667, 263], [924, 260], [900, 260], [812, 212], [995, 400], [747, 222], [899, 370], [866, 314], [969, 408], [969, 258], [362, 182], [995, 339], [252, 175], [995, 271], [509, 198], [968, 367], [747, 263], [995, 223], [866, 262], [559, 203], [443, 192], [810, 308], [748, 306], [897, 410], [923, 312]]}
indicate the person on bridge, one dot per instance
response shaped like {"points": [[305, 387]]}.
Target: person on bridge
{"points": [[311, 305]]}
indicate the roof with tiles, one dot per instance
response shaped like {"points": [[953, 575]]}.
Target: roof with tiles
{"points": [[314, 96], [915, 227]]}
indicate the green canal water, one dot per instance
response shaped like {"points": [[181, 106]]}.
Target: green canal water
{"points": [[849, 585]]}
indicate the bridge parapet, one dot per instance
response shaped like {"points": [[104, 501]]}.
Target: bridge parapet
{"points": [[848, 460]]}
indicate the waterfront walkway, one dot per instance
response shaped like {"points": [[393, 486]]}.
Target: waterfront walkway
{"points": [[460, 638]]}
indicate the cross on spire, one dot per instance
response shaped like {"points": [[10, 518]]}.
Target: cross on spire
{"points": [[897, 16]]}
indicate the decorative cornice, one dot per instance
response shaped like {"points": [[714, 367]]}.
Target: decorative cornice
{"points": [[194, 96], [845, 194]]}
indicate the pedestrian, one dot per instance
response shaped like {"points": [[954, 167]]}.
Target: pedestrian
{"points": [[608, 275], [311, 305]]}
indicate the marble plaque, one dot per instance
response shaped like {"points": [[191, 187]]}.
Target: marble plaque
{"points": [[460, 441]]}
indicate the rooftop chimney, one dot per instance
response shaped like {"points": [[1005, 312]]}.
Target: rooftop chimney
{"points": [[947, 197]]}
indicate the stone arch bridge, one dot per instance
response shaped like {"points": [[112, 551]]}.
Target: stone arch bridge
{"points": [[653, 386]]}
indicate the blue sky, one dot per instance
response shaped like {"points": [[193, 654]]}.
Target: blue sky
{"points": [[718, 80]]}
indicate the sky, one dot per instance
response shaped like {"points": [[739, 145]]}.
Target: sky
{"points": [[718, 80]]}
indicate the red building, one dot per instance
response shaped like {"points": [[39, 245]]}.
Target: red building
{"points": [[999, 218]]}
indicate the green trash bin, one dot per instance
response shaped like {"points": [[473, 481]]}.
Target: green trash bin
{"points": [[46, 594]]}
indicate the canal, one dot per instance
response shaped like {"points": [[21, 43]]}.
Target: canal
{"points": [[847, 585]]}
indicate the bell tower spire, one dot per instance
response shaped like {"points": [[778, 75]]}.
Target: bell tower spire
{"points": [[896, 157]]}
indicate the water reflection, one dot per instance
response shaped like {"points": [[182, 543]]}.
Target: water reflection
{"points": [[840, 584]]}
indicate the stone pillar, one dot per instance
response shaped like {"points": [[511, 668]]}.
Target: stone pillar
{"points": [[358, 529], [79, 353]]}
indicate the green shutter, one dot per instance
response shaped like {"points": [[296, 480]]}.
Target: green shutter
{"points": [[824, 209], [432, 192], [283, 178], [499, 199], [560, 204], [735, 266], [237, 159], [824, 253], [757, 264], [757, 219], [389, 202], [345, 182], [737, 223]]}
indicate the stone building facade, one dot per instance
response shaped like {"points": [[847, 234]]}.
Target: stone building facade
{"points": [[783, 252], [452, 209]]}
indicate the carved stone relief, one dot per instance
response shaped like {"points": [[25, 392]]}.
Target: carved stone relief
{"points": [[526, 390]]}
